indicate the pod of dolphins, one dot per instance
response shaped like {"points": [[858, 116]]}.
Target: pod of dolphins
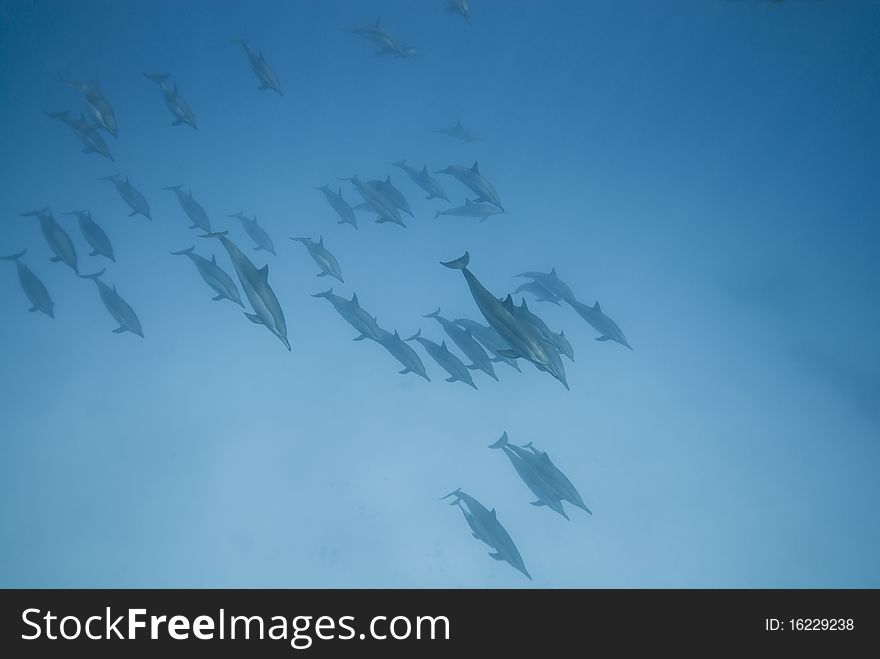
{"points": [[511, 332]]}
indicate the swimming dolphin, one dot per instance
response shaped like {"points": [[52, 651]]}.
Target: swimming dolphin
{"points": [[524, 340], [355, 315], [471, 177], [402, 352], [459, 7], [385, 43], [130, 195], [486, 527], [467, 344], [552, 282], [33, 288], [85, 132], [345, 212], [459, 132], [558, 340], [57, 238], [607, 328], [118, 308], [191, 207], [214, 276], [322, 256], [539, 292], [490, 339], [394, 195], [458, 372], [256, 232], [470, 209], [94, 235], [424, 180], [552, 474], [178, 107], [531, 476], [267, 77], [98, 106], [255, 283], [377, 202]]}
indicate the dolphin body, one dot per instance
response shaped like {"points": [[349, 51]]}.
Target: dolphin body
{"points": [[551, 282], [558, 340], [490, 339], [402, 352], [539, 292], [377, 202], [33, 288], [178, 107], [607, 328], [57, 238], [355, 315], [524, 340], [342, 208], [85, 132], [485, 526], [255, 283], [94, 235], [394, 195], [98, 106], [531, 475], [385, 43], [214, 276], [135, 200], [552, 474], [192, 208], [256, 232], [118, 308], [322, 256], [467, 344], [459, 132], [470, 209], [459, 7], [471, 177], [458, 372], [267, 77], [424, 180]]}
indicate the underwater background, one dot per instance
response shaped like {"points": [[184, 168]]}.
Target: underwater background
{"points": [[707, 170]]}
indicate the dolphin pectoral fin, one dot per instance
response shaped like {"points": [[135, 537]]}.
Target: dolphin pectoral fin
{"points": [[176, 122], [217, 297], [537, 503], [452, 379], [603, 338], [263, 87], [510, 354], [94, 252], [32, 309], [405, 371], [473, 367], [360, 338], [132, 214], [55, 259], [322, 274], [496, 556], [119, 330], [474, 534], [253, 318]]}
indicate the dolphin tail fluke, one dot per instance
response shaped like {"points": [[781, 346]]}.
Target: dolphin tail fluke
{"points": [[94, 275], [184, 252], [437, 214], [461, 263], [502, 442], [415, 336], [300, 240], [432, 315], [326, 293], [35, 212], [157, 77], [173, 188], [454, 493], [214, 234], [14, 257]]}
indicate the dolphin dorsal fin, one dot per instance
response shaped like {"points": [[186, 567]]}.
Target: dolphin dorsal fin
{"points": [[354, 299], [553, 271], [264, 272], [396, 335], [340, 191], [476, 167], [425, 169], [214, 259], [524, 306], [443, 345], [388, 179], [468, 203], [508, 302], [494, 514], [321, 240], [597, 307]]}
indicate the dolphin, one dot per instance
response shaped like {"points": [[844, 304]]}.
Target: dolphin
{"points": [[118, 308], [540, 293], [486, 527], [403, 353], [322, 256], [377, 202], [214, 276], [490, 339], [459, 132], [524, 340], [255, 283], [459, 7], [467, 344], [458, 372], [552, 282], [393, 195], [130, 195], [557, 340], [256, 232], [552, 474], [56, 237], [191, 207], [345, 212], [355, 315], [470, 209], [33, 288], [94, 235], [178, 107], [98, 106], [424, 180], [471, 177], [607, 328], [267, 77], [532, 477], [85, 132]]}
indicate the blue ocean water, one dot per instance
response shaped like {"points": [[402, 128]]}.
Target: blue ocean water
{"points": [[707, 170]]}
